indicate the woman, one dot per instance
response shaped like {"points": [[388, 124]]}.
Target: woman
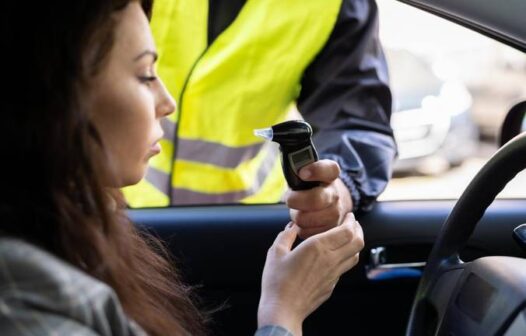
{"points": [[82, 118]]}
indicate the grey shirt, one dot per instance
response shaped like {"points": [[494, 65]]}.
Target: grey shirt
{"points": [[42, 295]]}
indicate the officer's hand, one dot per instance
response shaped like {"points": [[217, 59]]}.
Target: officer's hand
{"points": [[322, 208]]}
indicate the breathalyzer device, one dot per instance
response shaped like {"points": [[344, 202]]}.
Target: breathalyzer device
{"points": [[295, 143]]}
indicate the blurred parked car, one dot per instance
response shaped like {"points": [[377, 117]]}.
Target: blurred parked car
{"points": [[431, 119]]}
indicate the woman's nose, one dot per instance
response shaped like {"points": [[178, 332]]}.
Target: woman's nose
{"points": [[166, 103]]}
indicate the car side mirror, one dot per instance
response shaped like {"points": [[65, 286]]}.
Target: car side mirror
{"points": [[514, 123]]}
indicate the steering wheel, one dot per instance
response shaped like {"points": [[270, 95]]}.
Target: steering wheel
{"points": [[482, 297]]}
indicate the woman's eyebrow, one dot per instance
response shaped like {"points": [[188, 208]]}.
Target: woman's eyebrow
{"points": [[145, 53]]}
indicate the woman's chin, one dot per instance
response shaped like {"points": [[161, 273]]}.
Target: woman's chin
{"points": [[126, 180], [132, 180]]}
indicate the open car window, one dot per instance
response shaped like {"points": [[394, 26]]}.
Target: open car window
{"points": [[452, 89]]}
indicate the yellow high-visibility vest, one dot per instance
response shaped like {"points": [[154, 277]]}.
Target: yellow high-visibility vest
{"points": [[247, 78]]}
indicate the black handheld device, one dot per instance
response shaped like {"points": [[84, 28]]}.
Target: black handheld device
{"points": [[295, 143]]}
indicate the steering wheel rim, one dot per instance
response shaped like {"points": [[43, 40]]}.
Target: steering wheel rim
{"points": [[504, 165]]}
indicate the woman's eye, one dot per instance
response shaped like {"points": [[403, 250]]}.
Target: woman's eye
{"points": [[147, 79]]}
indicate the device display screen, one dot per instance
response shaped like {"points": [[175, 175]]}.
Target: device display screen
{"points": [[301, 158]]}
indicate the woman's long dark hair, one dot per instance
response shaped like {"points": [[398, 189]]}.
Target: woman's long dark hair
{"points": [[52, 192]]}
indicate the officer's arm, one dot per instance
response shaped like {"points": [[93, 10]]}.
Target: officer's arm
{"points": [[346, 98]]}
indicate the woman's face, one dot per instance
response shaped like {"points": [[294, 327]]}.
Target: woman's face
{"points": [[127, 100]]}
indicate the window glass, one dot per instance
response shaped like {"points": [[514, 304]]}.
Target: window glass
{"points": [[452, 88]]}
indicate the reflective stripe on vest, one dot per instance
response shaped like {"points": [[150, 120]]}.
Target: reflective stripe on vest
{"points": [[246, 79]]}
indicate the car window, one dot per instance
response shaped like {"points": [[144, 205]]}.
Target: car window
{"points": [[452, 88]]}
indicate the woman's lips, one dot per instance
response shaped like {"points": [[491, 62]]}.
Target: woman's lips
{"points": [[155, 149]]}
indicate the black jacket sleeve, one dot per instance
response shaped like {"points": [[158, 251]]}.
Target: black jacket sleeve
{"points": [[346, 98]]}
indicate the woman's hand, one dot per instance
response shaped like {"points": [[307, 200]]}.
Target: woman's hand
{"points": [[322, 208], [296, 282]]}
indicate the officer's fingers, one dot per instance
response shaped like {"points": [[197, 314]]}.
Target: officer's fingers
{"points": [[293, 214], [312, 223], [327, 218], [311, 231], [324, 171], [314, 199]]}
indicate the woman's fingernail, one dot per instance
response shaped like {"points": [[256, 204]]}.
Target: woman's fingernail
{"points": [[289, 225]]}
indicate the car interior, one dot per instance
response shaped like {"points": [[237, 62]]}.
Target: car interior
{"points": [[429, 267]]}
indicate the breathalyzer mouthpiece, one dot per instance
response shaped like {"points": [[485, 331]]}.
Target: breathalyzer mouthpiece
{"points": [[265, 133], [295, 144]]}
